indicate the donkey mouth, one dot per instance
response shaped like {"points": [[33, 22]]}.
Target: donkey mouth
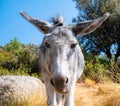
{"points": [[61, 91]]}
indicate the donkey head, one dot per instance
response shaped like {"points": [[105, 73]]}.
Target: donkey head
{"points": [[59, 47]]}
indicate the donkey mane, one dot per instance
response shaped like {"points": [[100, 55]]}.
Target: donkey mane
{"points": [[57, 21]]}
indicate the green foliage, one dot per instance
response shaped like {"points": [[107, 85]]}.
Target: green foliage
{"points": [[14, 46], [4, 56], [100, 68], [94, 69], [18, 59], [7, 59], [4, 71], [29, 58]]}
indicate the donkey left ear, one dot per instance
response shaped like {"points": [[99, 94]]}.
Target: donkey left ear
{"points": [[43, 26], [86, 27]]}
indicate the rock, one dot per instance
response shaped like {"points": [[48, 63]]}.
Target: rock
{"points": [[21, 91]]}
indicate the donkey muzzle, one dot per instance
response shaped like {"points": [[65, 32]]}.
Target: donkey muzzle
{"points": [[60, 84]]}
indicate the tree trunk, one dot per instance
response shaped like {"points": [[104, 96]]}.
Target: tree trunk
{"points": [[117, 54], [109, 55]]}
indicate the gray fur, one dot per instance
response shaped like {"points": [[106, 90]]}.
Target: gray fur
{"points": [[61, 60]]}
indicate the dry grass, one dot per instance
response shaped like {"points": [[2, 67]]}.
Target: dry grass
{"points": [[110, 94], [36, 99], [89, 83], [106, 94]]}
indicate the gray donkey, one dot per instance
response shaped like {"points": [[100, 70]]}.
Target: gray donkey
{"points": [[61, 60]]}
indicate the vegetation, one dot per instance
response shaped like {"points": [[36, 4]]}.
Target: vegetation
{"points": [[14, 46], [19, 59], [23, 60], [100, 69]]}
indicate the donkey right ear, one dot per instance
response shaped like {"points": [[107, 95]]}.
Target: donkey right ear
{"points": [[86, 27], [43, 26]]}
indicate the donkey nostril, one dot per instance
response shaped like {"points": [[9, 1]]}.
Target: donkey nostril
{"points": [[51, 81], [66, 80]]}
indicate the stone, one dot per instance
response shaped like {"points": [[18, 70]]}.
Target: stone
{"points": [[21, 91]]}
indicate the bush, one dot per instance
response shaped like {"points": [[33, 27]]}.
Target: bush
{"points": [[94, 69], [22, 63], [12, 72], [21, 72], [29, 59], [6, 56], [25, 59]]}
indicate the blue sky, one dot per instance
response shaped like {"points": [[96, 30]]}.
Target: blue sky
{"points": [[13, 25]]}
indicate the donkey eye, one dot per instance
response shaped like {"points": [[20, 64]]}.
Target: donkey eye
{"points": [[73, 45], [47, 44]]}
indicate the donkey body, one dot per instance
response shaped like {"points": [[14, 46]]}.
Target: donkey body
{"points": [[61, 60]]}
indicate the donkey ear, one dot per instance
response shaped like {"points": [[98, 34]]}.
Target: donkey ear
{"points": [[43, 26], [86, 27]]}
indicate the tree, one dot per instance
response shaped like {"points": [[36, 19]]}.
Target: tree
{"points": [[14, 46], [106, 39], [29, 58]]}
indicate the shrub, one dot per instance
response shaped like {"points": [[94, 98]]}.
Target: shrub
{"points": [[25, 59], [20, 71], [94, 69]]}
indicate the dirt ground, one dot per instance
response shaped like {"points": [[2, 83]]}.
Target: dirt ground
{"points": [[83, 94]]}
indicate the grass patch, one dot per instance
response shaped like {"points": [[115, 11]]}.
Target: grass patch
{"points": [[102, 94], [110, 93], [89, 83], [32, 100]]}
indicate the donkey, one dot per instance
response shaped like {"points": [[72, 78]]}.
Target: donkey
{"points": [[61, 60]]}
